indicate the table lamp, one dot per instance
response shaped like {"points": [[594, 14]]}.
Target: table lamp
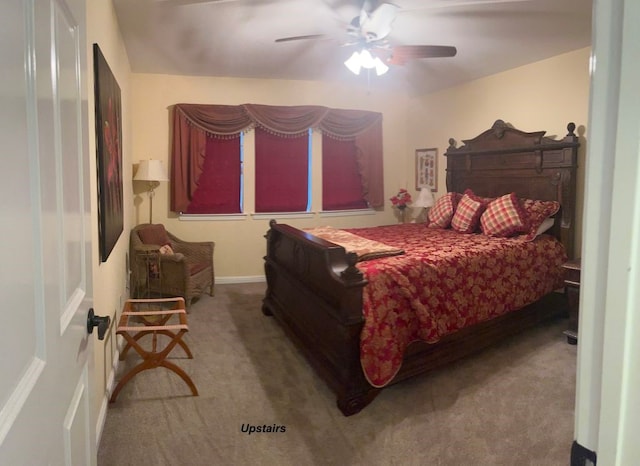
{"points": [[424, 201]]}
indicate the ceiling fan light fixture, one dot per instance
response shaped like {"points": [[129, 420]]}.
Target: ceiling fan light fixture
{"points": [[364, 59], [381, 67], [353, 63]]}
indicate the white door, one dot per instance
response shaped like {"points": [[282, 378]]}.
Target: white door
{"points": [[45, 266]]}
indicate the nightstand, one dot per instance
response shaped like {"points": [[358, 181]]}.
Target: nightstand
{"points": [[572, 290]]}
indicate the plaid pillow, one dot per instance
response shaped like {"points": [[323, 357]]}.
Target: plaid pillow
{"points": [[504, 217], [537, 212], [441, 213], [468, 213]]}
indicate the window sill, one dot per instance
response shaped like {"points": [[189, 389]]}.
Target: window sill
{"points": [[346, 213], [274, 215], [214, 217], [277, 215]]}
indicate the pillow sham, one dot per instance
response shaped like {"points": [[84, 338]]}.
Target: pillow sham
{"points": [[537, 212], [503, 217], [468, 212], [545, 225], [441, 213]]}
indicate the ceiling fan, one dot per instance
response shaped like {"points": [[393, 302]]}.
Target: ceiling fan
{"points": [[369, 31]]}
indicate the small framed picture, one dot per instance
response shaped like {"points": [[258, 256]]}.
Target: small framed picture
{"points": [[427, 169]]}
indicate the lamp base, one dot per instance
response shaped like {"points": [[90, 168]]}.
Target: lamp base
{"points": [[151, 195]]}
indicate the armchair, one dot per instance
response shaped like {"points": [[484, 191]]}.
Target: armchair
{"points": [[183, 268]]}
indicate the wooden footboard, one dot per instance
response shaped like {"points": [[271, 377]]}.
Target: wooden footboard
{"points": [[314, 290]]}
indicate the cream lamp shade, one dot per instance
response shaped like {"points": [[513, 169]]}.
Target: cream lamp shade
{"points": [[151, 171], [425, 199]]}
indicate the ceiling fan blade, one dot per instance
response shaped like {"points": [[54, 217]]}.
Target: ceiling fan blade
{"points": [[409, 6], [305, 37], [191, 2], [403, 53]]}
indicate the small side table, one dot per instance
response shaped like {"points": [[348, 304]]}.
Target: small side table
{"points": [[153, 317], [572, 290]]}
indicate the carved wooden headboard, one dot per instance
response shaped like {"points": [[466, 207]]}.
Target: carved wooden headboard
{"points": [[503, 159]]}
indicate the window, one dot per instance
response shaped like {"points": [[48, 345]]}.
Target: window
{"points": [[206, 158], [219, 187], [341, 179], [282, 172]]}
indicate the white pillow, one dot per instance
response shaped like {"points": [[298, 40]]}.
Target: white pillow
{"points": [[545, 225]]}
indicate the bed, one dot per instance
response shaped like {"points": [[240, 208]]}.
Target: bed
{"points": [[320, 293]]}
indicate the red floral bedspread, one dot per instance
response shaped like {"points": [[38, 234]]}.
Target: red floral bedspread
{"points": [[445, 281]]}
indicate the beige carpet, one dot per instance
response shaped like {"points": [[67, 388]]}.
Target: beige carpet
{"points": [[511, 405]]}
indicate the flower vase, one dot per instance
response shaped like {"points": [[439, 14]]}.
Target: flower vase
{"points": [[402, 209]]}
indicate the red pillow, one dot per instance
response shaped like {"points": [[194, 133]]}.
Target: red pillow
{"points": [[468, 213], [504, 217], [536, 212], [154, 234], [441, 213]]}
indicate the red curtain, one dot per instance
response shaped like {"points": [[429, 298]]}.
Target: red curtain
{"points": [[341, 180], [192, 123], [282, 171], [218, 187]]}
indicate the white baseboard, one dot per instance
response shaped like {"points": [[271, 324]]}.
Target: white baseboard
{"points": [[110, 385], [247, 279], [102, 415]]}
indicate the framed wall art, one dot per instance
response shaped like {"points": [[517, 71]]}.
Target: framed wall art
{"points": [[427, 169], [109, 154]]}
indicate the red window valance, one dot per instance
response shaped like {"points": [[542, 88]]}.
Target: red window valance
{"points": [[193, 122]]}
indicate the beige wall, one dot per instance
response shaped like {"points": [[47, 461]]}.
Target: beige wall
{"points": [[545, 95], [109, 278], [240, 244], [542, 96]]}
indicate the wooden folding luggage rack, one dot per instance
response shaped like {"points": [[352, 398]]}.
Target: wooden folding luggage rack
{"points": [[142, 317]]}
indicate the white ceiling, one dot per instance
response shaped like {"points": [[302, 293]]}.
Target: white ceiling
{"points": [[236, 38]]}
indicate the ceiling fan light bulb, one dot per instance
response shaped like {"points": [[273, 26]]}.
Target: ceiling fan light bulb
{"points": [[353, 63], [381, 68], [366, 60]]}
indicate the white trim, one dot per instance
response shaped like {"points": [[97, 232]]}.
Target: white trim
{"points": [[111, 382], [211, 217], [69, 419], [273, 215], [11, 409], [608, 372], [277, 215], [618, 422], [70, 309], [102, 417], [346, 213], [35, 188], [603, 110], [247, 279]]}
